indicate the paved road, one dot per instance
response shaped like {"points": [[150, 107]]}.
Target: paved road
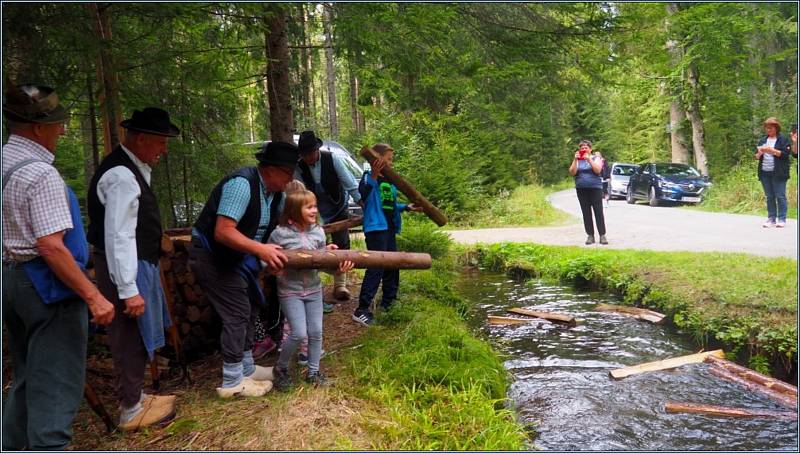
{"points": [[640, 226]]}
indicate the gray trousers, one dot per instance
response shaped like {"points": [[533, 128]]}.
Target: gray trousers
{"points": [[227, 291], [47, 344], [124, 340], [304, 314]]}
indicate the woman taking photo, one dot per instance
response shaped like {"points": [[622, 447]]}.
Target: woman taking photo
{"points": [[587, 170], [772, 153]]}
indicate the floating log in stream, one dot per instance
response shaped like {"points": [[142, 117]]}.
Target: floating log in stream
{"points": [[780, 398], [664, 364], [330, 259], [342, 225], [750, 375], [504, 320], [721, 411], [638, 313], [410, 191], [554, 317]]}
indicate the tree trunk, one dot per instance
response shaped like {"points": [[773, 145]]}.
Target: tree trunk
{"points": [[330, 72], [305, 63], [354, 97], [107, 76], [170, 195], [92, 124], [680, 152], [330, 259], [188, 207], [696, 119], [281, 123]]}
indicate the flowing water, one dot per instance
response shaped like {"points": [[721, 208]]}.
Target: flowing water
{"points": [[562, 386]]}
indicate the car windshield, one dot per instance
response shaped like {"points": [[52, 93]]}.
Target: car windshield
{"points": [[624, 170], [676, 170]]}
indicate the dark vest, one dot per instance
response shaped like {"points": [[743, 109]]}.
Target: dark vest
{"points": [[328, 178], [248, 225], [148, 220]]}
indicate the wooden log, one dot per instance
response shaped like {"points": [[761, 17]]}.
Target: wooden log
{"points": [[638, 313], [658, 365], [780, 398], [503, 320], [750, 375], [343, 225], [178, 231], [330, 259], [671, 407], [554, 317], [404, 186]]}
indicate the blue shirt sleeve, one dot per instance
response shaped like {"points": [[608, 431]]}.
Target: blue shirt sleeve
{"points": [[235, 198], [346, 178]]}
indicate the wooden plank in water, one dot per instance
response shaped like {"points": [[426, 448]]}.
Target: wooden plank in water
{"points": [[554, 317], [754, 376], [781, 398], [666, 364], [503, 320], [638, 313], [704, 409]]}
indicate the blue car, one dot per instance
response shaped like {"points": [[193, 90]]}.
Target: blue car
{"points": [[663, 181]]}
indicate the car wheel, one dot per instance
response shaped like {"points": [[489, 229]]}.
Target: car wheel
{"points": [[629, 196], [652, 199]]}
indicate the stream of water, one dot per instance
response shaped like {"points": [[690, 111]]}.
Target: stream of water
{"points": [[563, 388]]}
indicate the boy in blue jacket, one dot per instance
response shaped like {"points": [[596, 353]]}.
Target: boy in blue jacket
{"points": [[381, 224]]}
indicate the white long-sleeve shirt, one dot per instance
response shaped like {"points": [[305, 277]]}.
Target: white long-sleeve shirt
{"points": [[119, 192]]}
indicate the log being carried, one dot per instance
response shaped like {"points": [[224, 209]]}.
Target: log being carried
{"points": [[404, 186], [330, 259]]}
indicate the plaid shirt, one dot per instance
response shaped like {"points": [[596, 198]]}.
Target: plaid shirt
{"points": [[34, 199]]}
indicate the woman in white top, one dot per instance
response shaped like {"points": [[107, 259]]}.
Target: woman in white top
{"points": [[773, 152]]}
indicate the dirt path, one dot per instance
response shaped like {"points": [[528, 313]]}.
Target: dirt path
{"points": [[640, 226]]}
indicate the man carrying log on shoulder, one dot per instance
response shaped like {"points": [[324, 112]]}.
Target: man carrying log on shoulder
{"points": [[324, 173], [125, 229], [45, 290], [228, 241]]}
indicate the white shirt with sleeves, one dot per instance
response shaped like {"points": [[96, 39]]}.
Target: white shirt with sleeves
{"points": [[119, 192]]}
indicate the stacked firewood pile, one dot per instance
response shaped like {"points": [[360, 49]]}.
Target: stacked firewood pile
{"points": [[197, 324]]}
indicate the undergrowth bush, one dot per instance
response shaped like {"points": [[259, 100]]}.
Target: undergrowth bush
{"points": [[740, 191], [421, 235]]}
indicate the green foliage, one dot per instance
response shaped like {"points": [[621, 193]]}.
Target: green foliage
{"points": [[423, 236]]}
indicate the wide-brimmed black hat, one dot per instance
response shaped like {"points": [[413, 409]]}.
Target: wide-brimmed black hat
{"points": [[278, 154], [308, 142], [33, 104], [151, 120]]}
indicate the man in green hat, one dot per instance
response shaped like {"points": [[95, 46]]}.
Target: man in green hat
{"points": [[45, 291]]}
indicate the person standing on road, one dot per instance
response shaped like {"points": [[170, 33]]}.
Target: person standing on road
{"points": [[772, 153], [324, 174], [606, 174], [587, 170], [45, 290], [793, 136], [125, 229]]}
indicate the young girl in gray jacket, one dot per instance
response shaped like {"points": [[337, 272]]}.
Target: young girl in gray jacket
{"points": [[300, 290]]}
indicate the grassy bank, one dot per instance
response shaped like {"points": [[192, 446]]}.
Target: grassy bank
{"points": [[417, 379], [524, 206], [740, 192], [746, 304]]}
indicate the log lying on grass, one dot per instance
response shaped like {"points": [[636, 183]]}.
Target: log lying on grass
{"points": [[664, 364], [330, 259], [750, 375], [705, 409], [343, 225], [554, 317], [638, 313], [404, 186], [780, 398], [503, 320]]}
